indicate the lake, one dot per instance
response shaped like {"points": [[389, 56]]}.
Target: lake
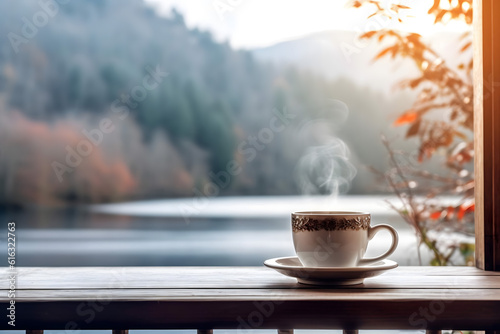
{"points": [[228, 231]]}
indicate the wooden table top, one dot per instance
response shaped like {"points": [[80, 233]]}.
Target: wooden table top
{"points": [[249, 297]]}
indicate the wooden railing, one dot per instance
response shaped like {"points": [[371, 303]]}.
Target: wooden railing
{"points": [[245, 298], [210, 331]]}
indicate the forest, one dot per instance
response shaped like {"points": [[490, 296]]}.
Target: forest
{"points": [[104, 101]]}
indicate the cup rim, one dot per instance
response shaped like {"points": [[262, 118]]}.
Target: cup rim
{"points": [[330, 213]]}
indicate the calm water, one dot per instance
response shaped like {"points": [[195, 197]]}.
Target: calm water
{"points": [[225, 232]]}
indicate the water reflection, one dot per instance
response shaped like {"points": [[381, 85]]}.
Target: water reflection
{"points": [[80, 237]]}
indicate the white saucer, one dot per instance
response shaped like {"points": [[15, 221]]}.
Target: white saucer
{"points": [[291, 266]]}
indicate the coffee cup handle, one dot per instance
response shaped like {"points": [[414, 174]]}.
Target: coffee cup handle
{"points": [[371, 233]]}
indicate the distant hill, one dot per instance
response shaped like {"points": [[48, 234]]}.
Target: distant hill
{"points": [[340, 54]]}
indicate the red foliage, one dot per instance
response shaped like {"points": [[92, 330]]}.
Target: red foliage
{"points": [[32, 146], [408, 117], [436, 215]]}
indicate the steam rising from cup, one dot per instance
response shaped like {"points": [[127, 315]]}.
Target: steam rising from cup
{"points": [[325, 169]]}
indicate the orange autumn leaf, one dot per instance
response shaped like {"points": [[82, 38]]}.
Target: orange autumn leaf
{"points": [[406, 118], [470, 208], [461, 212], [464, 208], [435, 215]]}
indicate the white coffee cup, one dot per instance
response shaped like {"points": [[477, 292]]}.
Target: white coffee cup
{"points": [[336, 238]]}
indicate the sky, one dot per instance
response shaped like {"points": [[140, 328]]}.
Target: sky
{"points": [[259, 23]]}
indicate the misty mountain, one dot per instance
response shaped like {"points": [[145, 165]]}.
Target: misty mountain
{"points": [[107, 101], [341, 54]]}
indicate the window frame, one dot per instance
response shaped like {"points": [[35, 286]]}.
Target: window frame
{"points": [[487, 133]]}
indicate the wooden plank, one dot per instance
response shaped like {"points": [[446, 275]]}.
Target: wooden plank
{"points": [[487, 133], [119, 331], [479, 105], [234, 295], [285, 331], [494, 159], [206, 298], [482, 208], [376, 313], [278, 282], [90, 275], [229, 277], [250, 298], [205, 331]]}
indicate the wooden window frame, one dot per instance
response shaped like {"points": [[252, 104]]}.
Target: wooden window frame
{"points": [[487, 133]]}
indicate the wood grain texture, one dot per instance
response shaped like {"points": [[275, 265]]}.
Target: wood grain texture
{"points": [[119, 331], [261, 314], [205, 331], [277, 295], [494, 128], [479, 190], [487, 133], [285, 331], [233, 277], [208, 298]]}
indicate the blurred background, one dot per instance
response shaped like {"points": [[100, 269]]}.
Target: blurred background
{"points": [[184, 133]]}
